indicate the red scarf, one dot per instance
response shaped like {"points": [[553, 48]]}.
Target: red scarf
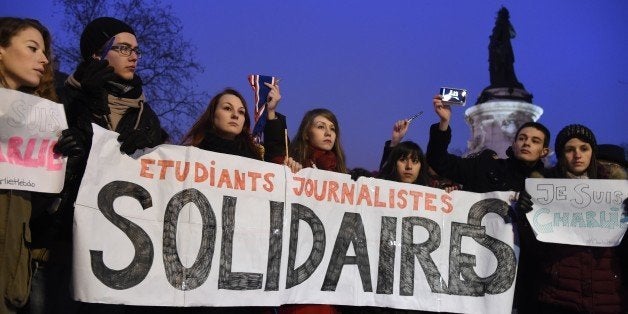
{"points": [[323, 159]]}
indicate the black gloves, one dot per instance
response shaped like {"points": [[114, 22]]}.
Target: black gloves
{"points": [[134, 140], [74, 144], [94, 77], [71, 143], [524, 203]]}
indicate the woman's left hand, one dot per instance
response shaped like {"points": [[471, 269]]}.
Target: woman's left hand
{"points": [[293, 165]]}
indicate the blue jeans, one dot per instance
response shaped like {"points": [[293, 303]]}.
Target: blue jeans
{"points": [[50, 290]]}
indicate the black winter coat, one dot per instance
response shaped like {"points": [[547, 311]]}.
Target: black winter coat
{"points": [[79, 116]]}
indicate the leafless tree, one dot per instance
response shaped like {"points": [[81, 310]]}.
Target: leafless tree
{"points": [[168, 66]]}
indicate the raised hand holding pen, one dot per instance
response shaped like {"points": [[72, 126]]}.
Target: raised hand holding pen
{"points": [[399, 131], [400, 128]]}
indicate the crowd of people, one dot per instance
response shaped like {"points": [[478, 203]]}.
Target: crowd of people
{"points": [[36, 228]]}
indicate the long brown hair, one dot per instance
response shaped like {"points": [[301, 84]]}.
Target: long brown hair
{"points": [[9, 28], [300, 147], [206, 123]]}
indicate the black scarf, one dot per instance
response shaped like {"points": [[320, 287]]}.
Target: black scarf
{"points": [[215, 143]]}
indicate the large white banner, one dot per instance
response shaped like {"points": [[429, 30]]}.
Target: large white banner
{"points": [[578, 212], [179, 226], [29, 128]]}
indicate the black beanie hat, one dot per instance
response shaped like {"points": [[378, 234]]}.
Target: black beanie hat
{"points": [[574, 131], [98, 31]]}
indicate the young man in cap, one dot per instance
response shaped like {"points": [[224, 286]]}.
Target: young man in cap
{"points": [[104, 90]]}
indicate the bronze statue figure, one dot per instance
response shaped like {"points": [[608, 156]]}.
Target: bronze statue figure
{"points": [[504, 83]]}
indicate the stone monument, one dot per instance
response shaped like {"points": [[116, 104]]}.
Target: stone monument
{"points": [[504, 105]]}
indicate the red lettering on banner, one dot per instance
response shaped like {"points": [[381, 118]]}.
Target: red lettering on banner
{"points": [[268, 178], [202, 176], [212, 173], [55, 161], [144, 164], [417, 197], [377, 202], [22, 153], [164, 164], [347, 193], [225, 179], [299, 190], [333, 188], [403, 202], [186, 169], [364, 195], [446, 199], [320, 196], [309, 187], [254, 176], [13, 150], [429, 197], [239, 180]]}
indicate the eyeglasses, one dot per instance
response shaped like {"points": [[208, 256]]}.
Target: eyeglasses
{"points": [[126, 50]]}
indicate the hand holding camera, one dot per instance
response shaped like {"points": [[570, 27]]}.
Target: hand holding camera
{"points": [[453, 96]]}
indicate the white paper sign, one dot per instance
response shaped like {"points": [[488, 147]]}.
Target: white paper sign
{"points": [[578, 212], [29, 128], [179, 226]]}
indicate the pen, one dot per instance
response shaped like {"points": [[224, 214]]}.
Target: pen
{"points": [[415, 116]]}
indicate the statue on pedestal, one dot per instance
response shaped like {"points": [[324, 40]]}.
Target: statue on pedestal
{"points": [[504, 83]]}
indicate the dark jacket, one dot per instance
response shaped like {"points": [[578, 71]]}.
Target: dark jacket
{"points": [[275, 139], [273, 142], [15, 256], [485, 173], [214, 143], [572, 278], [79, 116], [480, 174]]}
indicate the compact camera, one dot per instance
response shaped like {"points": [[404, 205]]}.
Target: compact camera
{"points": [[454, 96]]}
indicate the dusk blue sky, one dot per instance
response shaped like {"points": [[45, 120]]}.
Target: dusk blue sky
{"points": [[374, 62]]}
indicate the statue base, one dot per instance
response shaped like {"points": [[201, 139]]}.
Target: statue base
{"points": [[494, 124], [504, 93]]}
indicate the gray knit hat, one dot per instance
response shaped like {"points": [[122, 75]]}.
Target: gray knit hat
{"points": [[574, 131], [98, 31]]}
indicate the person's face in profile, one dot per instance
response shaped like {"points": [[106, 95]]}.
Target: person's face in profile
{"points": [[123, 55]]}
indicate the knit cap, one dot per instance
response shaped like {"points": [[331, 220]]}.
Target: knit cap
{"points": [[574, 131], [98, 31]]}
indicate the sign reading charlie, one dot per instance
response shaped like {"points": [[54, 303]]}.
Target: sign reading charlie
{"points": [[178, 226], [29, 128], [579, 212]]}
